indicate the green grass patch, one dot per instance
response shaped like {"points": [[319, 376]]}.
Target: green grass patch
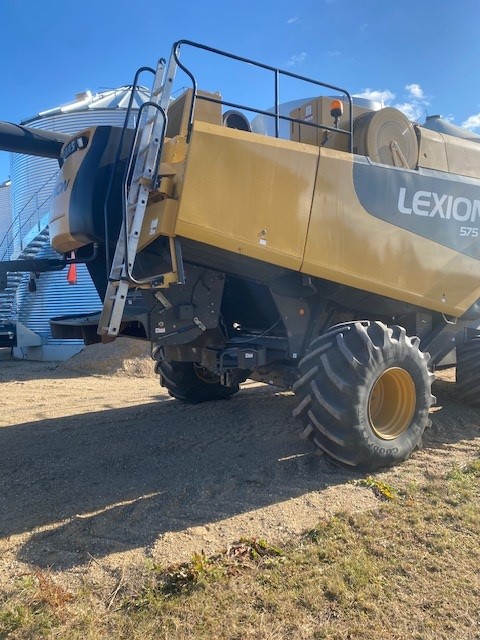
{"points": [[406, 570], [381, 489]]}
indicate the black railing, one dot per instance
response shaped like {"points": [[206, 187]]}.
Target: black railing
{"points": [[8, 242], [114, 169], [277, 75], [128, 177]]}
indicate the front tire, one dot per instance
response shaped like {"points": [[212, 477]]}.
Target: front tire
{"points": [[191, 383], [365, 394]]}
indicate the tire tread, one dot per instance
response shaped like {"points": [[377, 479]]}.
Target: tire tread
{"points": [[468, 372], [333, 376]]}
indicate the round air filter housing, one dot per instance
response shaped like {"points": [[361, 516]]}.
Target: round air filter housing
{"points": [[386, 136]]}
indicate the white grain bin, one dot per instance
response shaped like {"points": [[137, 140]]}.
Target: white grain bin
{"points": [[265, 125], [32, 180], [5, 219]]}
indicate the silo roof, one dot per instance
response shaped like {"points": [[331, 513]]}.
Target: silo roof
{"points": [[108, 99]]}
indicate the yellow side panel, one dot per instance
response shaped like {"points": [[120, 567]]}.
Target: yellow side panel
{"points": [[248, 194], [348, 245]]}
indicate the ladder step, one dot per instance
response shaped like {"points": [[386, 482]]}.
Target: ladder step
{"points": [[150, 140]]}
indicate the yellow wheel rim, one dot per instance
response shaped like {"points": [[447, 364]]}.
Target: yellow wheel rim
{"points": [[391, 404]]}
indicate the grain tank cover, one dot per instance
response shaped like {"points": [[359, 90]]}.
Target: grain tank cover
{"points": [[438, 124]]}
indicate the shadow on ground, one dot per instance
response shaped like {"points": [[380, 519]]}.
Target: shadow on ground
{"points": [[122, 477], [452, 420], [115, 480]]}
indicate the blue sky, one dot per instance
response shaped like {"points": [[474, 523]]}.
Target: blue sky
{"points": [[421, 56]]}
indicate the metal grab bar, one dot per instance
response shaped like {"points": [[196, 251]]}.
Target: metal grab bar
{"points": [[278, 73], [113, 171], [9, 240], [129, 169]]}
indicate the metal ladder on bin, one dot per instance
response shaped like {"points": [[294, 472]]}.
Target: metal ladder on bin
{"points": [[142, 181]]}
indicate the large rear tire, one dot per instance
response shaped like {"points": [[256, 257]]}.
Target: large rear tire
{"points": [[365, 394], [191, 383], [468, 371]]}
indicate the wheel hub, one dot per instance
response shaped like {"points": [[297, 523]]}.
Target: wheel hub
{"points": [[392, 402]]}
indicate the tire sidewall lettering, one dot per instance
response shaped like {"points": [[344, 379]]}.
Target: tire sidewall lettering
{"points": [[345, 414]]}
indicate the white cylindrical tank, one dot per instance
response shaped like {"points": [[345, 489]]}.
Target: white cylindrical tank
{"points": [[5, 220], [32, 180], [266, 124]]}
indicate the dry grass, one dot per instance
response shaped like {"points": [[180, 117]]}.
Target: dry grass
{"points": [[408, 570]]}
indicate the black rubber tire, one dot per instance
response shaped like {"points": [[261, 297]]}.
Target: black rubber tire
{"points": [[338, 374], [187, 382], [468, 372]]}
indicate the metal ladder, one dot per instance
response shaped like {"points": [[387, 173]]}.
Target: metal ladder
{"points": [[143, 179]]}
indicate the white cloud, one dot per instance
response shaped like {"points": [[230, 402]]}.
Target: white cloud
{"points": [[413, 106], [384, 96], [472, 123], [413, 110], [296, 59], [292, 20], [334, 54], [416, 91]]}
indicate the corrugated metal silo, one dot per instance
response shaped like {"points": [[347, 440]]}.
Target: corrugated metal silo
{"points": [[33, 179], [54, 296], [5, 219]]}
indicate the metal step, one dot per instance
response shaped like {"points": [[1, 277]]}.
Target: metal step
{"points": [[8, 295], [151, 137]]}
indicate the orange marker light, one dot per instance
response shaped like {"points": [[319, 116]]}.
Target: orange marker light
{"points": [[72, 271], [336, 109]]}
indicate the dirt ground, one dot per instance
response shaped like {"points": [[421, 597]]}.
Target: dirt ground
{"points": [[102, 473]]}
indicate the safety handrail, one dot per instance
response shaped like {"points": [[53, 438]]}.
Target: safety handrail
{"points": [[9, 239], [129, 169], [133, 88], [278, 73]]}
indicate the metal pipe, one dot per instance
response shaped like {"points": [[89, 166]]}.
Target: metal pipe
{"points": [[34, 142]]}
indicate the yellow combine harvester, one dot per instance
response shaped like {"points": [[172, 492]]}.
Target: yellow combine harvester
{"points": [[343, 262]]}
